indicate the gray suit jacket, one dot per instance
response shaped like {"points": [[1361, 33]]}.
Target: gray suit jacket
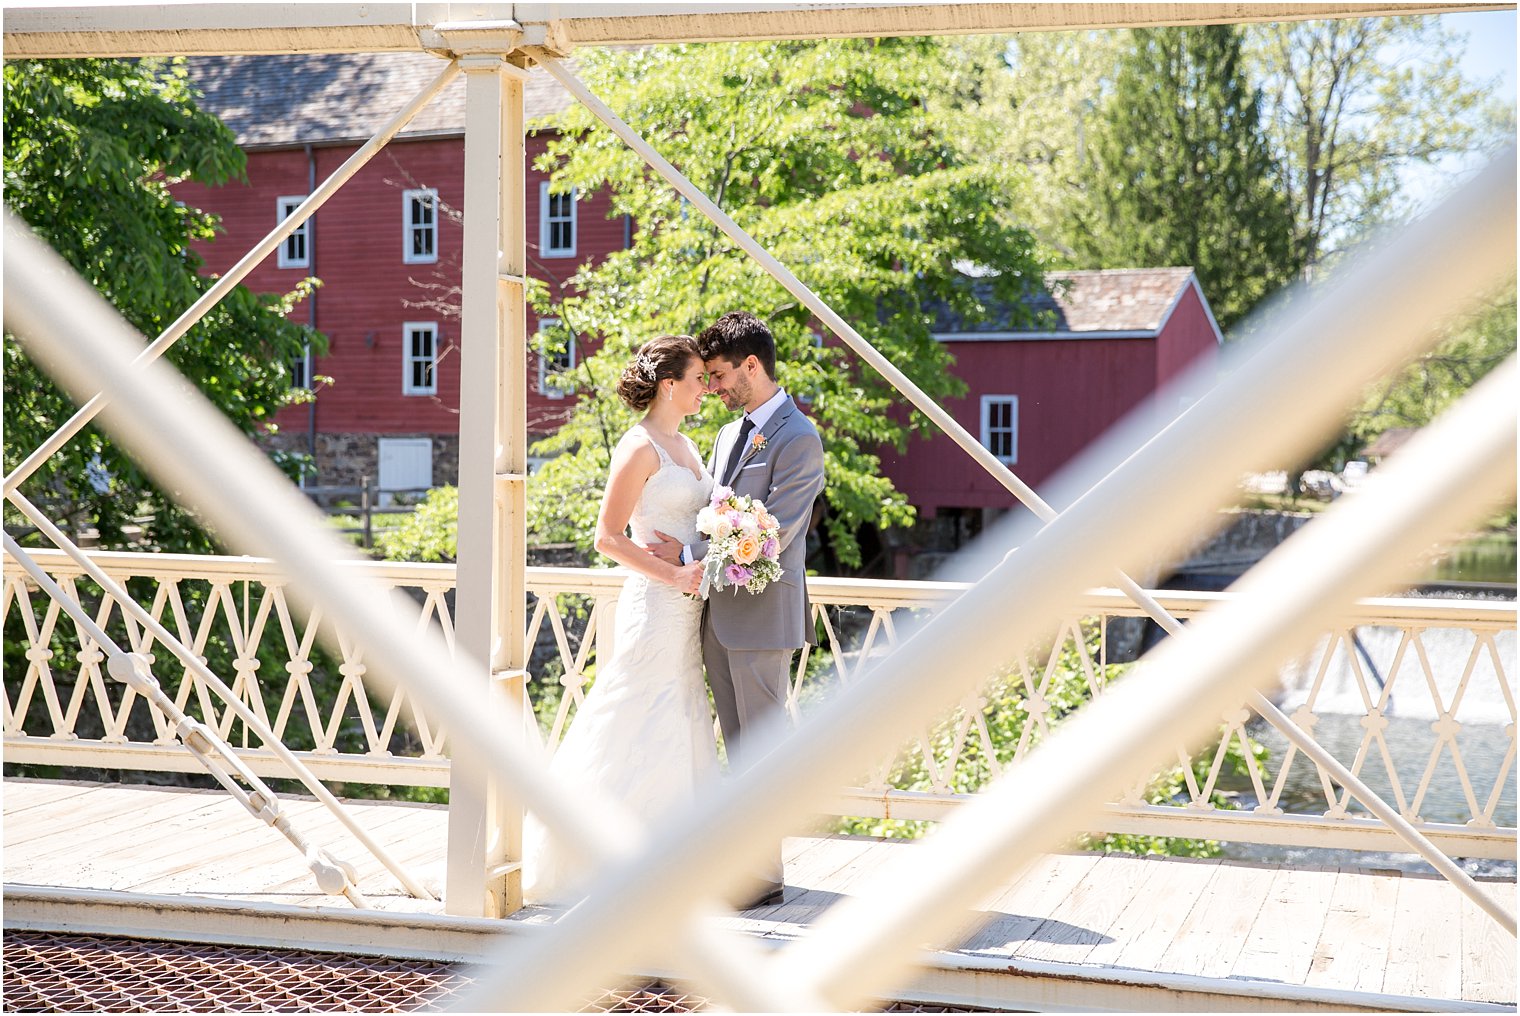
{"points": [[787, 476]]}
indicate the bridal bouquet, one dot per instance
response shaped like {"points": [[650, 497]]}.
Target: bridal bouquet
{"points": [[744, 543]]}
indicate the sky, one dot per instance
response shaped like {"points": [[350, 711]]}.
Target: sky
{"points": [[1490, 54], [1490, 44]]}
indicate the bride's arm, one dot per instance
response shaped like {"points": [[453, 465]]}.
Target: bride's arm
{"points": [[633, 463]]}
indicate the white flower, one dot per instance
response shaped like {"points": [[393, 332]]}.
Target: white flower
{"points": [[707, 520], [749, 523], [721, 526]]}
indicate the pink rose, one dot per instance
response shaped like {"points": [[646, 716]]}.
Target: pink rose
{"points": [[737, 574]]}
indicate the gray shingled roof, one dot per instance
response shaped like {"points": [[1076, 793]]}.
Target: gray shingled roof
{"points": [[1081, 302], [297, 99]]}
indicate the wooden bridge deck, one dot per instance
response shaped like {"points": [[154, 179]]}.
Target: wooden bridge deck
{"points": [[1264, 936]]}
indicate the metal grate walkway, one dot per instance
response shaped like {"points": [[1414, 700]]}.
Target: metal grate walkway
{"points": [[57, 972]]}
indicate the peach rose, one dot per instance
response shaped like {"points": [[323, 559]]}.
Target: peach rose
{"points": [[747, 550]]}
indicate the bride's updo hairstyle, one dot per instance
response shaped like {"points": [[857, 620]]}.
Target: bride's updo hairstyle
{"points": [[666, 357]]}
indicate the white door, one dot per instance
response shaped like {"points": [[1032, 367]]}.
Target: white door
{"points": [[404, 462]]}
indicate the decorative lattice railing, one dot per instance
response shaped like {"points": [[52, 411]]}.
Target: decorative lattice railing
{"points": [[1417, 697]]}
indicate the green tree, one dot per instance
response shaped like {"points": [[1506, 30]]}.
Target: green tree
{"points": [[1351, 105], [1040, 103], [1427, 387], [92, 150], [1180, 172], [835, 156]]}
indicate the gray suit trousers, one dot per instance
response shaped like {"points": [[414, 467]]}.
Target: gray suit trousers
{"points": [[749, 689]]}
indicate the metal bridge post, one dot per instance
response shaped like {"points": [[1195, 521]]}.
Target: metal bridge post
{"points": [[485, 826]]}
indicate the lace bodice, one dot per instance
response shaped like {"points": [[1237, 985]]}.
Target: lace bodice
{"points": [[671, 499]]}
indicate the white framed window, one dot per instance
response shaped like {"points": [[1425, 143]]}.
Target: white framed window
{"points": [[419, 210], [1000, 426], [556, 223], [552, 360], [419, 348], [295, 252]]}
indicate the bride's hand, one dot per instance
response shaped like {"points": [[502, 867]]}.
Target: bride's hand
{"points": [[688, 578]]}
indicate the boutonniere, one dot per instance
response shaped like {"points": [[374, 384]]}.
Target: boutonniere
{"points": [[757, 444]]}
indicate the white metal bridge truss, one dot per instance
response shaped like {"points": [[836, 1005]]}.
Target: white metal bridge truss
{"points": [[1131, 497]]}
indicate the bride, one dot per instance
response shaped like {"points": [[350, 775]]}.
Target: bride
{"points": [[644, 736]]}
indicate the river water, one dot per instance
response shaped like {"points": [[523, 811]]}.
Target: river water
{"points": [[1415, 700]]}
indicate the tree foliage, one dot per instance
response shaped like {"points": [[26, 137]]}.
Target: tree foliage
{"points": [[832, 156], [1004, 704], [92, 148], [1352, 104], [1428, 386], [1181, 174], [1044, 111]]}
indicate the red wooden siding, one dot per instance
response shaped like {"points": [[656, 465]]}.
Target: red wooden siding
{"points": [[1188, 335], [358, 251]]}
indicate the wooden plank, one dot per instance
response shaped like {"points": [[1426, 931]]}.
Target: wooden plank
{"points": [[1214, 933], [1082, 919], [1018, 912], [1488, 951], [253, 856], [403, 832], [156, 828], [22, 794], [1146, 925], [425, 860], [60, 822], [832, 875], [1281, 943], [1352, 952], [1427, 936]]}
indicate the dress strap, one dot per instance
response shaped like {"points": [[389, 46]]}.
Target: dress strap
{"points": [[659, 449]]}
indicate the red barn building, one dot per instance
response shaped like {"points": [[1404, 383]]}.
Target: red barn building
{"points": [[386, 248], [1038, 395]]}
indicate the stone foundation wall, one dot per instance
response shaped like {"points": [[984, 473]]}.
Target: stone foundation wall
{"points": [[343, 460]]}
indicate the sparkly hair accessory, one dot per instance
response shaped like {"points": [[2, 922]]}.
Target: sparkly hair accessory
{"points": [[645, 364]]}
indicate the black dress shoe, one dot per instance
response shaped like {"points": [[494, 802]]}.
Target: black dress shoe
{"points": [[767, 899]]}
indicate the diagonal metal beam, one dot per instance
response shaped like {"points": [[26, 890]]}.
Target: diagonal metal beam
{"points": [[1367, 321], [1455, 469], [188, 446], [239, 271], [999, 470], [79, 339], [211, 750], [196, 665]]}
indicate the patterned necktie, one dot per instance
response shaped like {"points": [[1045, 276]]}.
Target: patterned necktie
{"points": [[737, 451]]}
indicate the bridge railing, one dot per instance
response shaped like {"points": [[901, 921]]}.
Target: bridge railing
{"points": [[1415, 696]]}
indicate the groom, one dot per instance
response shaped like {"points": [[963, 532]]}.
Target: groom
{"points": [[771, 453]]}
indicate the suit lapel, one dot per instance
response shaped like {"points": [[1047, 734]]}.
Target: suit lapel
{"points": [[772, 426]]}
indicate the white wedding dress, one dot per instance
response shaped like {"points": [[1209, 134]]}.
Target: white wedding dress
{"points": [[644, 736]]}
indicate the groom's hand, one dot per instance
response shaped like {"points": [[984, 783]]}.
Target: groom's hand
{"points": [[668, 549]]}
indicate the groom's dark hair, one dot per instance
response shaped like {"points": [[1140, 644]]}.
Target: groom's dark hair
{"points": [[737, 335]]}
